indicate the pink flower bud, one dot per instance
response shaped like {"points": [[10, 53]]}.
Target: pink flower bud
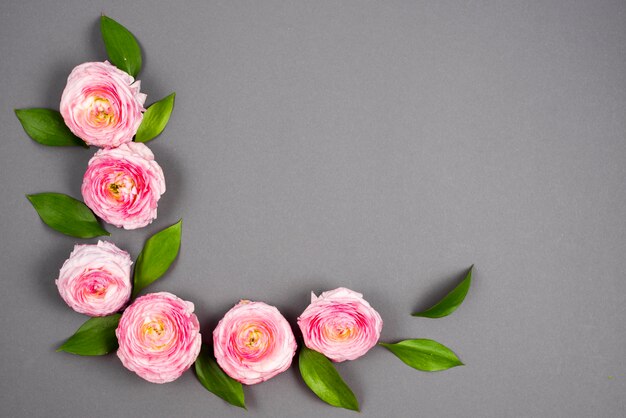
{"points": [[159, 337], [102, 105], [340, 324], [95, 280], [123, 185], [253, 342]]}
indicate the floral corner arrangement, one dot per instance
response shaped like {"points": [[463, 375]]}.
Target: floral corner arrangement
{"points": [[157, 335]]}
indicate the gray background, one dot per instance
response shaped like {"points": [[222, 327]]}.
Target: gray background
{"points": [[382, 146]]}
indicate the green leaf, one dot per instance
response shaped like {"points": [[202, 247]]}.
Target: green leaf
{"points": [[47, 127], [425, 355], [122, 47], [96, 337], [155, 119], [157, 255], [216, 381], [66, 215], [451, 301], [322, 378]]}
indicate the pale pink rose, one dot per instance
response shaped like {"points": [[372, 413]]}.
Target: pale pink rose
{"points": [[253, 342], [123, 185], [102, 105], [340, 324], [159, 337], [95, 280]]}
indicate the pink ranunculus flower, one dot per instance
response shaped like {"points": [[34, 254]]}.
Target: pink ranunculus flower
{"points": [[123, 185], [159, 337], [340, 324], [102, 105], [95, 280], [253, 342]]}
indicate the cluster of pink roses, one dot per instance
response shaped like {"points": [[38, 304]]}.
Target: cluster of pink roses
{"points": [[159, 335], [103, 106]]}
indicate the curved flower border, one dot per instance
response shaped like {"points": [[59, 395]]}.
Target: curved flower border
{"points": [[157, 335]]}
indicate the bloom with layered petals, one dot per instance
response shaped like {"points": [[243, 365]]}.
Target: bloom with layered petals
{"points": [[159, 337], [340, 324], [253, 342], [95, 280], [123, 185], [102, 105]]}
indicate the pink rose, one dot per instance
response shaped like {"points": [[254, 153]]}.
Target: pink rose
{"points": [[123, 185], [340, 324], [95, 280], [253, 342], [159, 337], [102, 105]]}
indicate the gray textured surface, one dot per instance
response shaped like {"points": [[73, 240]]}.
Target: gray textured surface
{"points": [[380, 146]]}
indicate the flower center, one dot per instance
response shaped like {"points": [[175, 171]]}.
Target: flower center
{"points": [[156, 334], [95, 284], [339, 331], [253, 337], [122, 185], [253, 341], [153, 328], [102, 111], [97, 290]]}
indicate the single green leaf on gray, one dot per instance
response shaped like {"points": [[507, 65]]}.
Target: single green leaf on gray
{"points": [[424, 355], [451, 301], [96, 337], [47, 127], [216, 381], [157, 255], [66, 215], [121, 46], [155, 119], [322, 378]]}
